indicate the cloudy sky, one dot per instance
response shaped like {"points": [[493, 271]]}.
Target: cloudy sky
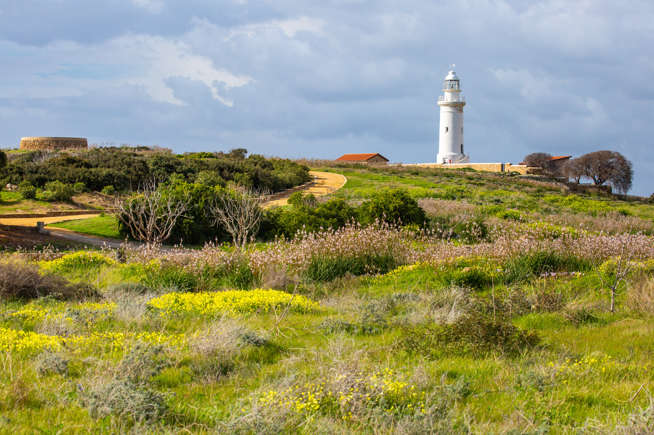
{"points": [[302, 78]]}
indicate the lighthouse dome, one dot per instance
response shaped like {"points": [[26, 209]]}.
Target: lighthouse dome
{"points": [[451, 76]]}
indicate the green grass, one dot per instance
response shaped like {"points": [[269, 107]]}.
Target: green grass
{"points": [[581, 374], [101, 226], [13, 202], [484, 189]]}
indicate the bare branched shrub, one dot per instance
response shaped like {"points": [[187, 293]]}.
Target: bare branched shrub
{"points": [[239, 212], [24, 281], [150, 215]]}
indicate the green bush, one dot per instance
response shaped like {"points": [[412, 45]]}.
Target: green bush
{"points": [[26, 190], [57, 191], [235, 275], [79, 187], [108, 190], [323, 269], [534, 264], [470, 277], [471, 231], [305, 215], [393, 206], [473, 334], [512, 215], [168, 276], [24, 281]]}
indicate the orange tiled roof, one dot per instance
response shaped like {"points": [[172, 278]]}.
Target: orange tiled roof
{"points": [[358, 157], [560, 157]]}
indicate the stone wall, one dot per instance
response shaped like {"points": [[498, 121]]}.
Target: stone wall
{"points": [[53, 143], [487, 167]]}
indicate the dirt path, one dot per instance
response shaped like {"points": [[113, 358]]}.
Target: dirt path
{"points": [[31, 222], [86, 239], [324, 183]]}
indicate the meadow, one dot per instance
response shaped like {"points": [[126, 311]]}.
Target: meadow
{"points": [[503, 326]]}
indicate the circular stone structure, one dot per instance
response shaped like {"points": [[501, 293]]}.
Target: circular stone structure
{"points": [[53, 143]]}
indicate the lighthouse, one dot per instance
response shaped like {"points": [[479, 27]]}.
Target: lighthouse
{"points": [[450, 133]]}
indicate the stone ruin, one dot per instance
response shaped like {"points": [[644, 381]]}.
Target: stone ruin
{"points": [[53, 143]]}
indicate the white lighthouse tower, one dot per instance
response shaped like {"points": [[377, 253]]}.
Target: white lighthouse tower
{"points": [[450, 133]]}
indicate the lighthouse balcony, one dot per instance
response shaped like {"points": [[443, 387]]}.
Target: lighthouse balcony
{"points": [[451, 99]]}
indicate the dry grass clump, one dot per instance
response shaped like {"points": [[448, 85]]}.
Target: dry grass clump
{"points": [[610, 223], [216, 348], [131, 302], [24, 281], [47, 363], [640, 296], [446, 207], [123, 390]]}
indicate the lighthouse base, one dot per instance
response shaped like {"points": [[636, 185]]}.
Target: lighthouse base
{"points": [[452, 158]]}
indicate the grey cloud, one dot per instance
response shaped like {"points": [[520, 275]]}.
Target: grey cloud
{"points": [[335, 76]]}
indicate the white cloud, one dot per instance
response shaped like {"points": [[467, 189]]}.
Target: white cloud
{"points": [[153, 6], [157, 59], [289, 27], [68, 69]]}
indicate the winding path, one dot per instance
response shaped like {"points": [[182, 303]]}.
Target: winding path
{"points": [[323, 183]]}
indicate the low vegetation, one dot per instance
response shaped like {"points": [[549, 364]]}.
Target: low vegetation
{"points": [[450, 303]]}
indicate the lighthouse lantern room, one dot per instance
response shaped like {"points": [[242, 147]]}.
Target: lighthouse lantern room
{"points": [[450, 135]]}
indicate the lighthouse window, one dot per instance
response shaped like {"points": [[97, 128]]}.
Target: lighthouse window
{"points": [[446, 129], [461, 148]]}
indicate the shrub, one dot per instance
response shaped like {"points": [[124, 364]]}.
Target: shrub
{"points": [[305, 215], [581, 316], [512, 215], [79, 262], [129, 288], [392, 206], [26, 190], [126, 394], [323, 269], [168, 276], [534, 264], [51, 363], [79, 187], [108, 190], [230, 301], [57, 191], [474, 334], [23, 281]]}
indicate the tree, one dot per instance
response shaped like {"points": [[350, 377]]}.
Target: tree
{"points": [[3, 159], [541, 160], [150, 215], [239, 212], [573, 169], [607, 167]]}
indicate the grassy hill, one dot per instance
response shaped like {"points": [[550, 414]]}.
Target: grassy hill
{"points": [[377, 329]]}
